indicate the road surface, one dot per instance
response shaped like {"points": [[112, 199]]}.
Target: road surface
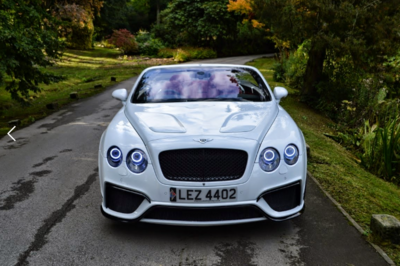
{"points": [[50, 209]]}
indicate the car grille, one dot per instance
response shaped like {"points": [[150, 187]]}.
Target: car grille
{"points": [[284, 198], [122, 200], [203, 214], [203, 164]]}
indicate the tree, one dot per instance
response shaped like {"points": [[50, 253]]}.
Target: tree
{"points": [[78, 16], [362, 30], [28, 42], [200, 22], [115, 14]]}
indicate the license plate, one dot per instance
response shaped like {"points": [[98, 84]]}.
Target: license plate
{"points": [[203, 195]]}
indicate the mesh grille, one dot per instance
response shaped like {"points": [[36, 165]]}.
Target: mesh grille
{"points": [[283, 199], [204, 214], [203, 164], [121, 200]]}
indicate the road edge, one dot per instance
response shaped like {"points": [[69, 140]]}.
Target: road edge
{"points": [[354, 223]]}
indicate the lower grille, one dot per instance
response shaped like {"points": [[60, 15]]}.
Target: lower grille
{"points": [[284, 198], [204, 214], [122, 200], [203, 164]]}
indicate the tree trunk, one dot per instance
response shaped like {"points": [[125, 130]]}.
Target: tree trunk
{"points": [[314, 69]]}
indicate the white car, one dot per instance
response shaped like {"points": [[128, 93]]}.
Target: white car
{"points": [[202, 145]]}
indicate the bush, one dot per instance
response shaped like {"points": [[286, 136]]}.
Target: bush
{"points": [[125, 41], [381, 150], [181, 55], [296, 66], [201, 53], [279, 69], [291, 68], [166, 53], [142, 36], [151, 47], [147, 44], [187, 53]]}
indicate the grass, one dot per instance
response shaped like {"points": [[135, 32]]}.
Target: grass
{"points": [[82, 71], [359, 192]]}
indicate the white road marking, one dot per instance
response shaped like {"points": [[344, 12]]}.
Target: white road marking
{"points": [[10, 134]]}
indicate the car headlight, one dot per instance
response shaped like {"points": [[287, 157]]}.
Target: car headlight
{"points": [[291, 154], [114, 156], [136, 160], [269, 159]]}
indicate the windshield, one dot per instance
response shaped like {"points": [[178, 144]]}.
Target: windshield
{"points": [[200, 84]]}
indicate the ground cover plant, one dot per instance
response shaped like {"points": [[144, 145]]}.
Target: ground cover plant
{"points": [[359, 192], [81, 71]]}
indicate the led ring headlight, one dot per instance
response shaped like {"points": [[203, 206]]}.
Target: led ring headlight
{"points": [[114, 156], [137, 157], [136, 161], [269, 159], [269, 156], [291, 154]]}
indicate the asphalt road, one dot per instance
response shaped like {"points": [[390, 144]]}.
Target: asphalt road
{"points": [[50, 199]]}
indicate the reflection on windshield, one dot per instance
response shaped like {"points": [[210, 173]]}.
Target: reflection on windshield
{"points": [[200, 84]]}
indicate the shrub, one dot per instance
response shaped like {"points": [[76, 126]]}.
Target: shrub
{"points": [[279, 69], [166, 53], [201, 53], [292, 67], [187, 53], [381, 150], [296, 66], [125, 41], [181, 55], [147, 44], [151, 47], [142, 36]]}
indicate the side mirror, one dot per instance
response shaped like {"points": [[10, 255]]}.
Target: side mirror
{"points": [[120, 94], [279, 93]]}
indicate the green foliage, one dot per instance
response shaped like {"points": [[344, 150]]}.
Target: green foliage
{"points": [[292, 69], [181, 55], [197, 22], [147, 44], [166, 53], [207, 23], [248, 40], [132, 15], [360, 32], [279, 71], [115, 14], [341, 80], [296, 66], [187, 53], [382, 150], [78, 26], [82, 70], [28, 42]]}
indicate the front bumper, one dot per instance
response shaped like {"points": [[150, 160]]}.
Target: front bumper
{"points": [[199, 223], [151, 202]]}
